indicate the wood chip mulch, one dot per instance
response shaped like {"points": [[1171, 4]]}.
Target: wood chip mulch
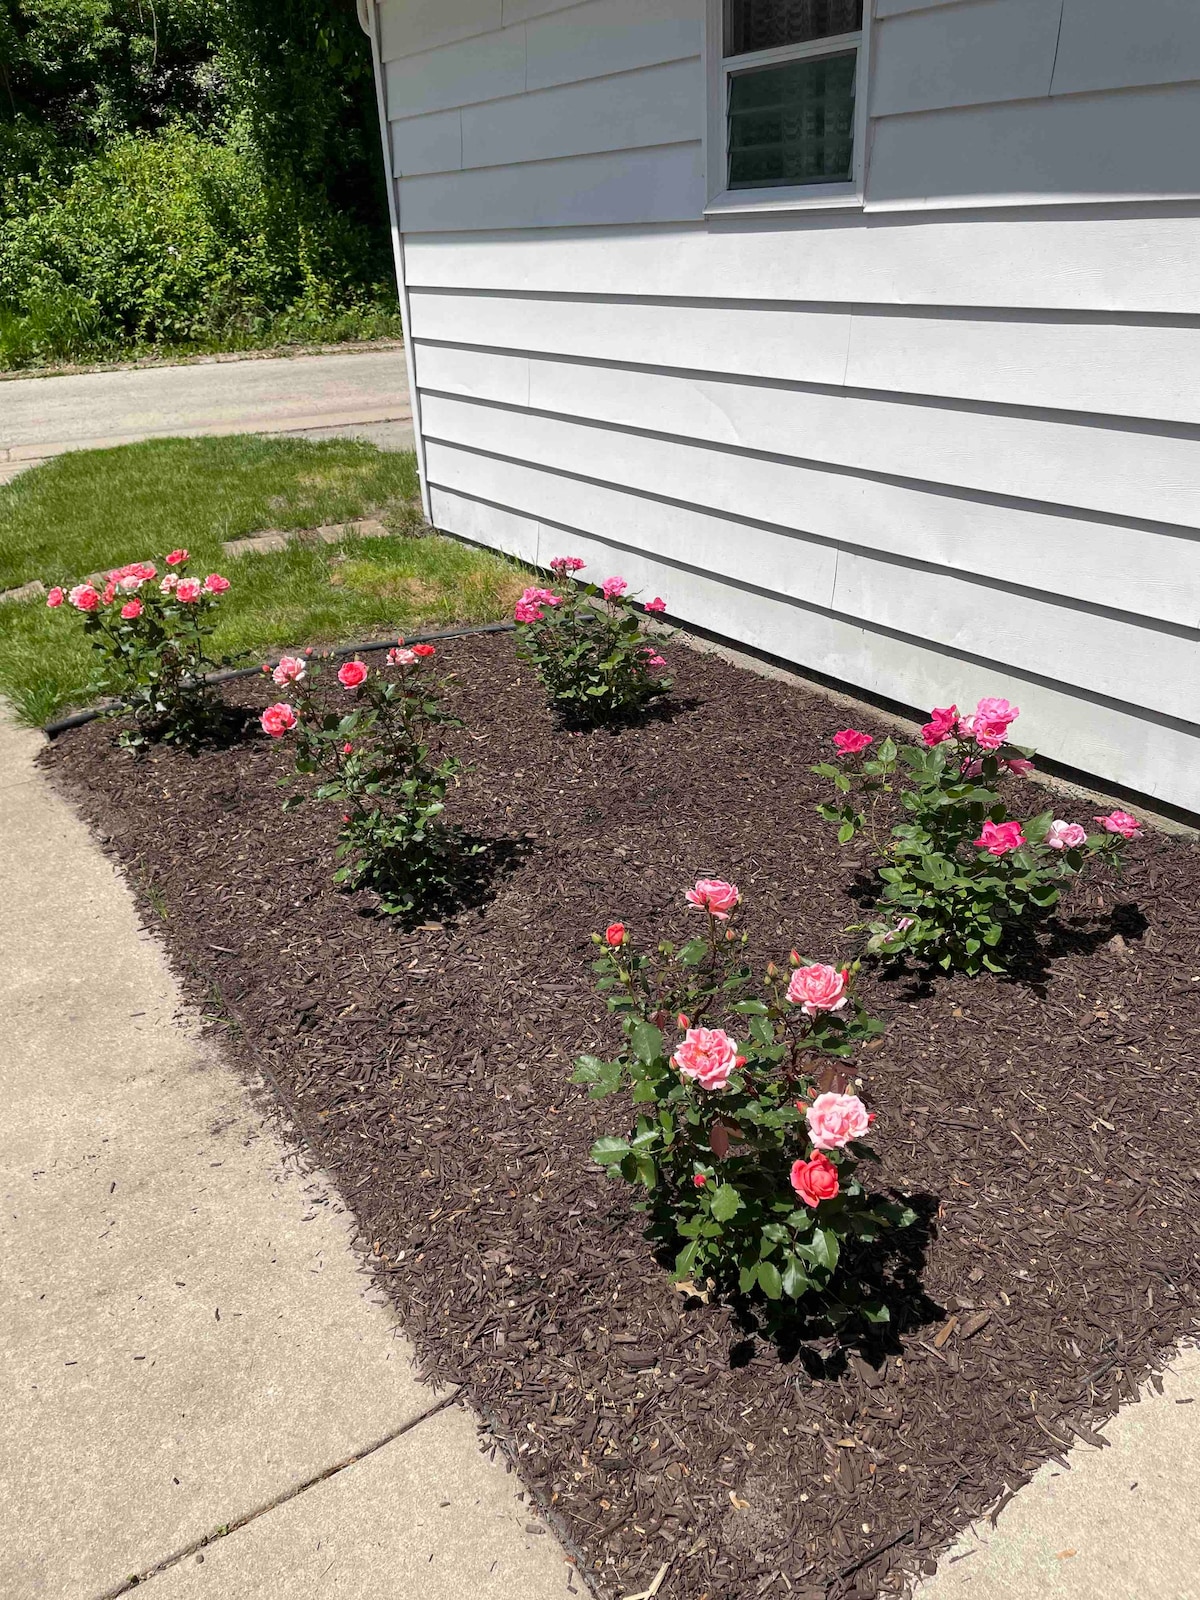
{"points": [[1047, 1127]]}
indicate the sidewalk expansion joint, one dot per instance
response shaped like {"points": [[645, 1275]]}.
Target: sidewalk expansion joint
{"points": [[135, 1580]]}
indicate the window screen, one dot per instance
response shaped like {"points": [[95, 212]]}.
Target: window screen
{"points": [[793, 123], [771, 24]]}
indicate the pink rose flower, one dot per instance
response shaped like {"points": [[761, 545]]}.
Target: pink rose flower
{"points": [[215, 583], [347, 749], [657, 604], [129, 582], [278, 720], [1121, 822], [1065, 836], [941, 726], [819, 988], [176, 558], [1020, 766], [834, 1120], [708, 1055], [815, 1180], [110, 593], [424, 650], [55, 598], [131, 609], [850, 741], [715, 896], [699, 1180], [169, 583], [402, 658], [84, 597], [655, 662], [291, 669], [990, 724], [998, 838], [188, 590], [524, 612], [612, 587], [614, 934], [563, 564], [351, 674]]}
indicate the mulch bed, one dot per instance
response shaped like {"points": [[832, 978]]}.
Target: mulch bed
{"points": [[1047, 1126]]}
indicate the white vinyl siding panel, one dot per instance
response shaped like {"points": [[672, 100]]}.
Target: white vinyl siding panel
{"points": [[427, 144], [796, 567], [1081, 729], [1109, 263], [1116, 44], [420, 25], [657, 106], [1070, 555], [1124, 369], [896, 8], [487, 67], [969, 55], [945, 446], [608, 36], [1031, 632], [1135, 474], [664, 184], [1141, 143]]}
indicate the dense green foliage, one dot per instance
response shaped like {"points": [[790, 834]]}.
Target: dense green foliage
{"points": [[190, 174]]}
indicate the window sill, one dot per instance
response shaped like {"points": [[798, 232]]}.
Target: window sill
{"points": [[758, 202]]}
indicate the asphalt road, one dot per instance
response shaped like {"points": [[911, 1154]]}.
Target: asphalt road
{"points": [[359, 392]]}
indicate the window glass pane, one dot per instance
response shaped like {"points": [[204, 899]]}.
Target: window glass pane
{"points": [[793, 123], [767, 24]]}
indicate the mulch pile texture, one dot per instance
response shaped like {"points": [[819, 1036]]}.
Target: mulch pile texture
{"points": [[1046, 1126]]}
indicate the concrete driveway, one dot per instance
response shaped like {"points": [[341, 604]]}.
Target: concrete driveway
{"points": [[358, 392]]}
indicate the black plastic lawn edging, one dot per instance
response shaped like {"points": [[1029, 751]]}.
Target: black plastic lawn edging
{"points": [[80, 719]]}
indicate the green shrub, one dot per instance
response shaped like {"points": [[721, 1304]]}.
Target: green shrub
{"points": [[167, 241]]}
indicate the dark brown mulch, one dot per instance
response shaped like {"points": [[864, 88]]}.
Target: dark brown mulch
{"points": [[1047, 1125]]}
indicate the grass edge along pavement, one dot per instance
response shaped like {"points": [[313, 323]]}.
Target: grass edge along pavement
{"points": [[91, 511], [607, 1383]]}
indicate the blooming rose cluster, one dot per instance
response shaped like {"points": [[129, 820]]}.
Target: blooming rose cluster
{"points": [[127, 580], [817, 988], [1121, 822], [529, 606], [987, 725], [278, 720], [565, 564], [715, 896], [613, 588], [709, 1056]]}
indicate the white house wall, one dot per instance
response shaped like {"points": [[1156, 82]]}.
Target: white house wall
{"points": [[943, 446]]}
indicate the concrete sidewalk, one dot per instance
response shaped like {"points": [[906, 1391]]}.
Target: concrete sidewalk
{"points": [[188, 1343], [1122, 1524], [355, 392]]}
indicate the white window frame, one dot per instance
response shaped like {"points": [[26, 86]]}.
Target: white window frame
{"points": [[724, 201]]}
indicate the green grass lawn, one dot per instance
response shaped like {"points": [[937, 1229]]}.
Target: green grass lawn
{"points": [[92, 510]]}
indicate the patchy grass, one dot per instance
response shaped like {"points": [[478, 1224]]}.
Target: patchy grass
{"points": [[97, 509]]}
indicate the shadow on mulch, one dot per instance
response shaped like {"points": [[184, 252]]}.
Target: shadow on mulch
{"points": [[1054, 1118], [889, 1270]]}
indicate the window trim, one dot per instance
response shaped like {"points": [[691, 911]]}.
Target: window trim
{"points": [[724, 201]]}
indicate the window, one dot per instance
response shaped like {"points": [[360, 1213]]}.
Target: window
{"points": [[790, 118]]}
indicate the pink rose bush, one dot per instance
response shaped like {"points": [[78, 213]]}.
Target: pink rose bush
{"points": [[960, 869], [748, 1128], [585, 643], [372, 754], [151, 647]]}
